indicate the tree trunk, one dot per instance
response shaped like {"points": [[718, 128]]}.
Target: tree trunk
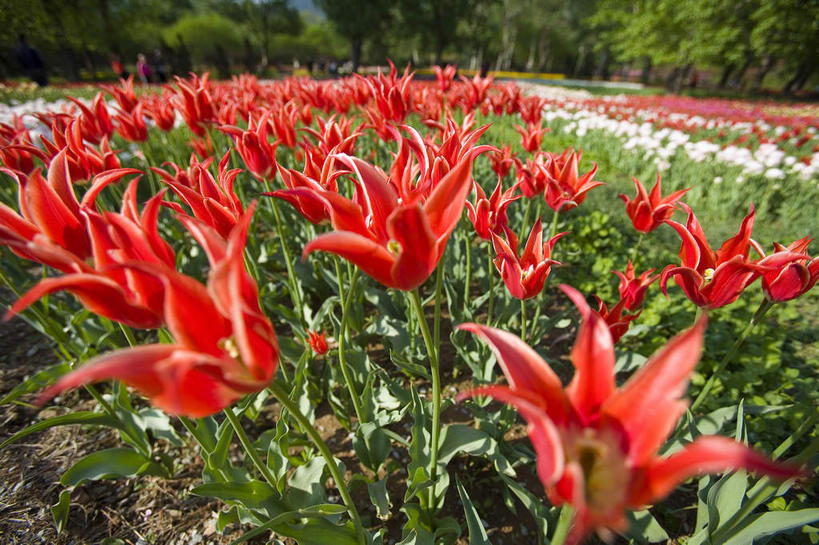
{"points": [[798, 80], [355, 52], [645, 75], [726, 73], [767, 64], [67, 51], [602, 71]]}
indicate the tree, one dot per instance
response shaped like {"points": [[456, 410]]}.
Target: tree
{"points": [[357, 20]]}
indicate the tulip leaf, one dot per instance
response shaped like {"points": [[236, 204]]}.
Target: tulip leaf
{"points": [[109, 463], [644, 527], [307, 485], [372, 446], [59, 511], [771, 523], [477, 533], [380, 498], [81, 417], [160, 425], [251, 494], [36, 382], [533, 504]]}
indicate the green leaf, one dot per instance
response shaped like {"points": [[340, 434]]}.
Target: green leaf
{"points": [[477, 533], [380, 498], [628, 361], [307, 485], [160, 424], [59, 511], [532, 503], [36, 382], [774, 522], [81, 417], [109, 463], [252, 494], [644, 527], [372, 446]]}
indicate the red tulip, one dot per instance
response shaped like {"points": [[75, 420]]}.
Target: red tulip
{"points": [[709, 279], [648, 210], [211, 200], [397, 242], [317, 342], [132, 125], [488, 215], [253, 146], [596, 444], [525, 276], [224, 346], [791, 271], [564, 189], [633, 289], [194, 103], [531, 136], [503, 161], [445, 76]]}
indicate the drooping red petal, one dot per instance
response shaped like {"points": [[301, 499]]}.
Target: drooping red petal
{"points": [[525, 370], [177, 381], [99, 295], [647, 407], [709, 454], [371, 257], [542, 431]]}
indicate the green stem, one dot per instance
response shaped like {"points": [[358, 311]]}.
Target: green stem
{"points": [[764, 307], [129, 335], [491, 274], [248, 446], [338, 276], [553, 229], [342, 360], [564, 523], [534, 320], [526, 213], [295, 295], [293, 408], [635, 250], [523, 320], [432, 351], [468, 280], [436, 324]]}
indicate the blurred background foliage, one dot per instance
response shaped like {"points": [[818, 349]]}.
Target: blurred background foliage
{"points": [[737, 44]]}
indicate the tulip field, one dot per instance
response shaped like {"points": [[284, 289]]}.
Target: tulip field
{"points": [[386, 310]]}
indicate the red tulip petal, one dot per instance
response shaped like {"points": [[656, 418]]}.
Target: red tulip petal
{"points": [[370, 256], [97, 293], [177, 381], [647, 407], [417, 257], [709, 454], [542, 431], [446, 202], [738, 244], [593, 359], [525, 370]]}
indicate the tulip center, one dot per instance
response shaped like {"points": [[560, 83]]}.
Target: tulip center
{"points": [[394, 247], [229, 345], [604, 467], [708, 274]]}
